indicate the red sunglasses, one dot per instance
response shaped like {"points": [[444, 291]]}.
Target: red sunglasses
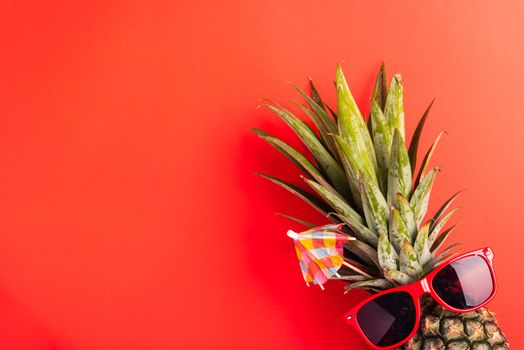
{"points": [[388, 319]]}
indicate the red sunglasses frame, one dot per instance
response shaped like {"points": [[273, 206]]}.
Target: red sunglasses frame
{"points": [[416, 290]]}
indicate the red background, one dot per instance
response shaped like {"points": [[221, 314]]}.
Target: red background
{"points": [[129, 214]]}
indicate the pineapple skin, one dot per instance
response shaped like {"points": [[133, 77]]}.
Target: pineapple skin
{"points": [[441, 329]]}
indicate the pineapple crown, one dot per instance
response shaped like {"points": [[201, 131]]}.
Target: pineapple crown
{"points": [[363, 175]]}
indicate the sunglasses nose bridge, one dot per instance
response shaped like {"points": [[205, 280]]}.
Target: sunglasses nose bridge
{"points": [[425, 285], [422, 287]]}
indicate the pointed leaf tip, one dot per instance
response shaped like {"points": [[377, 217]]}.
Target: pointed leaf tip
{"points": [[309, 198], [420, 198], [394, 109], [399, 170], [398, 231], [334, 200], [380, 90], [422, 244], [409, 263], [415, 140], [382, 140], [425, 163], [397, 277], [375, 207], [387, 256], [406, 212]]}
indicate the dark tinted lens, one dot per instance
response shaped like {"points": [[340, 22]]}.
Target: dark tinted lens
{"points": [[388, 319], [465, 283]]}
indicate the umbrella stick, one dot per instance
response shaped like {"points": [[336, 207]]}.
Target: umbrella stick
{"points": [[354, 268]]}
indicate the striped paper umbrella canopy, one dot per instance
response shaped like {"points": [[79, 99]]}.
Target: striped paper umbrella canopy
{"points": [[320, 252]]}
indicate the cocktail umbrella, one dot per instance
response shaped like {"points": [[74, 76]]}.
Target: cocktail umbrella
{"points": [[320, 252]]}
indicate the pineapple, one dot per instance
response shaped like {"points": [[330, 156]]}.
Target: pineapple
{"points": [[364, 176]]}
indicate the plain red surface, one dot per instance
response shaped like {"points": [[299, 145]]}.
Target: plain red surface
{"points": [[129, 214]]}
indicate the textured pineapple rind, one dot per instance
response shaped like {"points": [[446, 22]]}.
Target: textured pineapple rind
{"points": [[441, 329]]}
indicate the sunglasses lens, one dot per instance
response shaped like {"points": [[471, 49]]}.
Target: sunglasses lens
{"points": [[465, 283], [388, 319]]}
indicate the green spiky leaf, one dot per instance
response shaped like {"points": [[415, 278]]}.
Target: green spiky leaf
{"points": [[375, 283], [352, 126], [439, 241], [325, 137], [425, 163], [394, 110], [398, 232], [334, 200], [442, 257], [333, 114], [354, 277], [380, 91], [382, 139], [439, 225], [309, 198], [397, 277], [296, 157], [315, 95], [387, 256], [419, 199], [352, 148], [352, 168], [446, 254], [324, 119], [399, 170], [310, 139], [375, 207], [422, 245], [442, 209], [406, 212], [408, 260], [364, 252], [415, 139], [324, 123], [300, 221], [359, 230]]}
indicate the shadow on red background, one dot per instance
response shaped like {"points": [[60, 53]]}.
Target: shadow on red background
{"points": [[17, 322]]}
